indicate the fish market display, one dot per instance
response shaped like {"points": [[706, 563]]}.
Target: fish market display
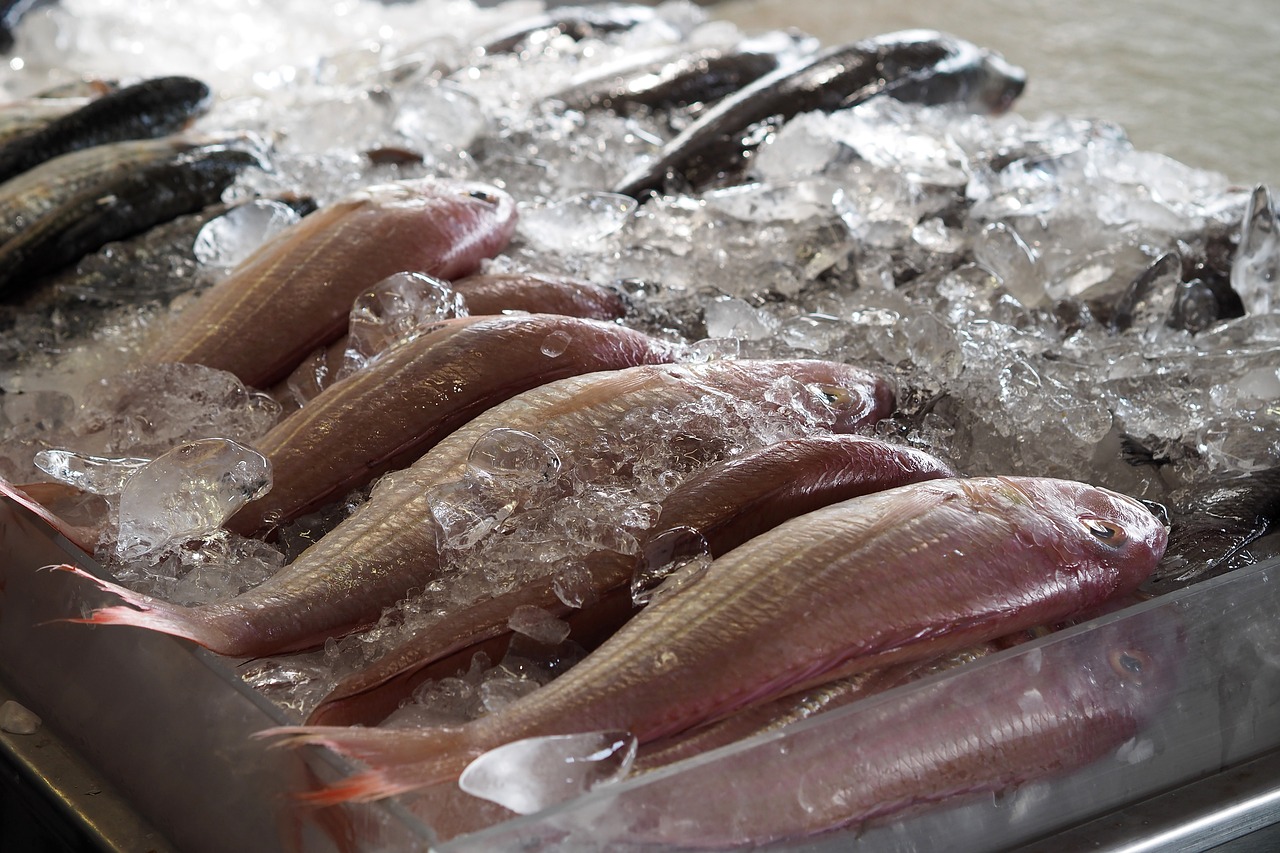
{"points": [[511, 380], [712, 512], [303, 282], [388, 548], [829, 593]]}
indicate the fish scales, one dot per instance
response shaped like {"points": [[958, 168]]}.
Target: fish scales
{"points": [[725, 504], [387, 548], [302, 283], [825, 595]]}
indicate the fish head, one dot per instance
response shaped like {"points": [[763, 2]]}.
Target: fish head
{"points": [[1113, 541], [850, 396]]}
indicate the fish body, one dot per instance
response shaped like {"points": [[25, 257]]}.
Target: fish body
{"points": [[147, 110], [388, 414], [19, 118], [494, 293], [388, 547], [903, 574], [301, 285], [129, 204], [920, 66], [578, 23], [723, 506]]}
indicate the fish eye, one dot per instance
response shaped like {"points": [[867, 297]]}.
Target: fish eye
{"points": [[1129, 664], [1107, 532], [835, 395], [481, 195]]}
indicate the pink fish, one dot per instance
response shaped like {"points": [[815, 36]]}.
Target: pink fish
{"points": [[903, 574], [388, 547], [294, 294], [388, 414], [723, 505]]}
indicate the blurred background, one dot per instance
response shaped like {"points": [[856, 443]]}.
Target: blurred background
{"points": [[1191, 79]]}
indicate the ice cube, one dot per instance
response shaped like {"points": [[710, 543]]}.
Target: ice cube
{"points": [[1256, 270], [538, 624], [579, 223], [513, 456], [230, 238], [729, 317], [671, 560], [395, 310], [187, 493], [96, 474], [17, 719], [529, 775]]}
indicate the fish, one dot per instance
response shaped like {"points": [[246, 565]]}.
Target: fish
{"points": [[129, 204], [578, 23], [1212, 525], [907, 573], [18, 118], [718, 508], [914, 65], [388, 547], [493, 293], [386, 415], [26, 199], [153, 108], [1073, 701], [301, 284], [697, 77]]}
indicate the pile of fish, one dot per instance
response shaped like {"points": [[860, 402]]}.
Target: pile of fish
{"points": [[531, 449]]}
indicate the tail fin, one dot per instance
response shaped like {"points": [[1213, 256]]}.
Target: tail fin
{"points": [[400, 760], [156, 615]]}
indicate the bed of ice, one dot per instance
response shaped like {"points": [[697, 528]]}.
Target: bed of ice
{"points": [[1042, 292]]}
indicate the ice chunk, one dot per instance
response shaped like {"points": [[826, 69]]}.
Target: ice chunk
{"points": [[150, 409], [529, 775], [187, 493], [438, 116], [579, 223], [17, 719], [671, 560], [538, 624], [466, 511], [729, 317], [1256, 270], [227, 240], [395, 310], [1001, 250], [96, 474], [513, 456]]}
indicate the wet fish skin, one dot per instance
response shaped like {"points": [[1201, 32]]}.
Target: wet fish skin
{"points": [[493, 293], [725, 504], [128, 205], [1212, 524], [388, 547], [913, 65], [147, 110], [18, 118], [700, 77], [29, 197], [1006, 722], [302, 284], [885, 578], [578, 23], [388, 414]]}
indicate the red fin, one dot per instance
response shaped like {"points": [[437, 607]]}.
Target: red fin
{"points": [[151, 613], [400, 760]]}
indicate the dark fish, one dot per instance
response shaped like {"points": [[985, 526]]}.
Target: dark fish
{"points": [[903, 574], [701, 77], [388, 548], [578, 23], [920, 66], [1075, 701], [294, 293], [19, 118], [719, 508], [146, 110], [130, 204], [1212, 525], [389, 413]]}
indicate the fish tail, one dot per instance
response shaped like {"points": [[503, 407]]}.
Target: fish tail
{"points": [[143, 611], [400, 760]]}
